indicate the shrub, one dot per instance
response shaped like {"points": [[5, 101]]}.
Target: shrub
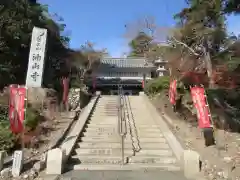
{"points": [[157, 85], [32, 118], [7, 139]]}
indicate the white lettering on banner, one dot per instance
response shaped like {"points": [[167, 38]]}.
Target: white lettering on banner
{"points": [[200, 112], [36, 57]]}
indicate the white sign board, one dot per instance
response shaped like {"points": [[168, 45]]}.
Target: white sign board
{"points": [[17, 163], [36, 57]]}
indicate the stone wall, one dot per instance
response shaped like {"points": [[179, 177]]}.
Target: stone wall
{"points": [[78, 98], [41, 97]]}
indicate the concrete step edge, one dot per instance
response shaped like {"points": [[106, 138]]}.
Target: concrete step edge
{"points": [[116, 157], [126, 167], [117, 145]]}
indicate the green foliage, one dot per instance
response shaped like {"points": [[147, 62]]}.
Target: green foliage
{"points": [[140, 45], [230, 96], [17, 19], [202, 22], [83, 62], [7, 139], [157, 85], [232, 6], [32, 118]]}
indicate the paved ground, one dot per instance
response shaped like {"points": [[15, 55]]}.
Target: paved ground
{"points": [[123, 175]]}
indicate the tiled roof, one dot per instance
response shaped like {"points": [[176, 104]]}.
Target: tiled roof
{"points": [[126, 62], [160, 60]]}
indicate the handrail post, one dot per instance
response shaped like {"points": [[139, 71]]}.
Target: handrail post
{"points": [[121, 118]]}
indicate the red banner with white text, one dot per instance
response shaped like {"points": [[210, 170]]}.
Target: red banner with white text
{"points": [[199, 101], [173, 92], [17, 108], [143, 81]]}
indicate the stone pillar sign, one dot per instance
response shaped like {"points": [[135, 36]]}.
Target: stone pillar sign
{"points": [[17, 163], [2, 156]]}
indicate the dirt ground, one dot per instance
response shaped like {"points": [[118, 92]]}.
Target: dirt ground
{"points": [[221, 161], [51, 131]]}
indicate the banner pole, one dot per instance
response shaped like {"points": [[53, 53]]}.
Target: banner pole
{"points": [[25, 118], [210, 116]]}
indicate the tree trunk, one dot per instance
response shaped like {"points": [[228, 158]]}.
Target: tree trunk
{"points": [[208, 62]]}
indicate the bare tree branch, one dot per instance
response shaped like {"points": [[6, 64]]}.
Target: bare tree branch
{"points": [[186, 46]]}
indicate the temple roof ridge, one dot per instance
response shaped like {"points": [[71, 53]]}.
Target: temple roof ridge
{"points": [[126, 62]]}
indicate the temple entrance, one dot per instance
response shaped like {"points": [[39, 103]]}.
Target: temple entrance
{"points": [[125, 92]]}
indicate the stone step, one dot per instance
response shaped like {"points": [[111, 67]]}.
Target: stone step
{"points": [[148, 130], [116, 167], [152, 140], [114, 129], [102, 121], [139, 121], [142, 114], [102, 129], [102, 139], [96, 145], [108, 105], [154, 152], [147, 125], [115, 123], [103, 152], [104, 113], [117, 138], [101, 159], [127, 152], [148, 134], [111, 130], [105, 108], [100, 134], [98, 125], [138, 134], [108, 137], [137, 126], [77, 159], [152, 160]]}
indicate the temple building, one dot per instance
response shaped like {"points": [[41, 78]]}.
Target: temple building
{"points": [[131, 73]]}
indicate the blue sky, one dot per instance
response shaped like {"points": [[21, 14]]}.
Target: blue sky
{"points": [[103, 21]]}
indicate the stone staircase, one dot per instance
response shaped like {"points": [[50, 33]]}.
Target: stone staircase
{"points": [[99, 147]]}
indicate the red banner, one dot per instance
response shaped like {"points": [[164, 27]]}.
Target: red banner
{"points": [[199, 101], [173, 92], [143, 81], [65, 82], [143, 84], [16, 108]]}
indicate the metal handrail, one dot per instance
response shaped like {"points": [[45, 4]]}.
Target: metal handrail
{"points": [[121, 120]]}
